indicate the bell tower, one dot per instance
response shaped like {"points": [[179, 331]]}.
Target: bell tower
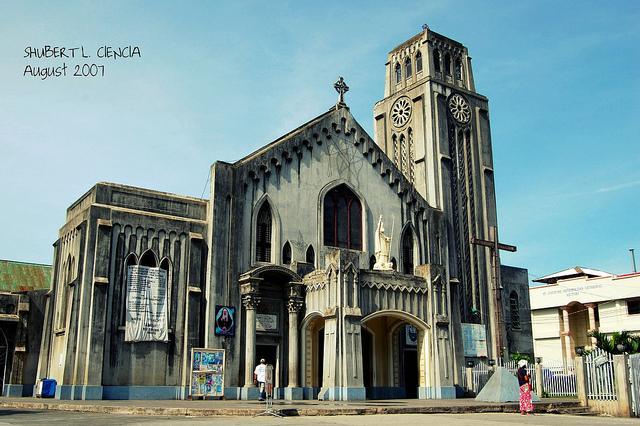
{"points": [[435, 127]]}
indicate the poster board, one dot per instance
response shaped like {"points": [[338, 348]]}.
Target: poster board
{"points": [[474, 339], [146, 305], [207, 373]]}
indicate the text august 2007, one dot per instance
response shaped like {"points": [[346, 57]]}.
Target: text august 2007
{"points": [[81, 69]]}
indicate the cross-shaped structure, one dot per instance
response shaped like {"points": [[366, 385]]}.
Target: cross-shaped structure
{"points": [[494, 247], [342, 88]]}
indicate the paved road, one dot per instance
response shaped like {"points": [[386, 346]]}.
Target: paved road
{"points": [[34, 417]]}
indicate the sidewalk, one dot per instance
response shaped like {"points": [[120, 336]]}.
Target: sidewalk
{"points": [[288, 408]]}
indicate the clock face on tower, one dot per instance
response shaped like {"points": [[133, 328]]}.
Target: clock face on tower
{"points": [[459, 108], [401, 111]]}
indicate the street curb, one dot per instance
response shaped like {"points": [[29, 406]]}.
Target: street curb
{"points": [[556, 407]]}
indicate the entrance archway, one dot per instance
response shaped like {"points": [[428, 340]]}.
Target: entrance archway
{"points": [[312, 354], [394, 351]]}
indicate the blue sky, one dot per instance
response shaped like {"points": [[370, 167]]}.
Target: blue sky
{"points": [[218, 79]]}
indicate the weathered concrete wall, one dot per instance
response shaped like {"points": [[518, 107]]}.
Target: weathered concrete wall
{"points": [[520, 335], [110, 227]]}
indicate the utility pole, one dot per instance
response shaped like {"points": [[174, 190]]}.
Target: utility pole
{"points": [[494, 247], [633, 260]]}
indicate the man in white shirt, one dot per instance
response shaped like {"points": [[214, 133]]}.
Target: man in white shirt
{"points": [[260, 377]]}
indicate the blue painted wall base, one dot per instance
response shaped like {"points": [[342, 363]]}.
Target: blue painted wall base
{"points": [[439, 392], [342, 394], [64, 392], [17, 390], [293, 394], [248, 394], [310, 393], [143, 392], [232, 392]]}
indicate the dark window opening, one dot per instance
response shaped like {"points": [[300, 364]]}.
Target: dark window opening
{"points": [[633, 307], [372, 262], [263, 234], [398, 73], [447, 64], [407, 68], [458, 65], [286, 253], [310, 256], [407, 252], [436, 60], [342, 219], [148, 259], [514, 307], [418, 62]]}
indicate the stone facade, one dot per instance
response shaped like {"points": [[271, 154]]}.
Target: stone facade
{"points": [[287, 240], [517, 309]]}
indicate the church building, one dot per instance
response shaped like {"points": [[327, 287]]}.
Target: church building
{"points": [[359, 267]]}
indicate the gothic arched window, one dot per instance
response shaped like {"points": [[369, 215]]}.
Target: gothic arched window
{"points": [[407, 68], [398, 73], [286, 253], [418, 62], [342, 219], [310, 256], [458, 67], [263, 234], [436, 60], [447, 64], [514, 308], [148, 259], [407, 252]]}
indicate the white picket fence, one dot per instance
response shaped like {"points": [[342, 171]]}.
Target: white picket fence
{"points": [[601, 383], [559, 379]]}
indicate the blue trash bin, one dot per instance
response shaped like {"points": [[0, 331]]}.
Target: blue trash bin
{"points": [[48, 388]]}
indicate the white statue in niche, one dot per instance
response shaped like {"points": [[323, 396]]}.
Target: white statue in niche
{"points": [[382, 248]]}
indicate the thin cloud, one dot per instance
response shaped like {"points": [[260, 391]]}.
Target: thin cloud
{"points": [[618, 187]]}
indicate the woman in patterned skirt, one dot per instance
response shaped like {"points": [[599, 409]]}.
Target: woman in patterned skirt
{"points": [[524, 380]]}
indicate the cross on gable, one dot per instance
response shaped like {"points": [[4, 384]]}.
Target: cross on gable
{"points": [[342, 88]]}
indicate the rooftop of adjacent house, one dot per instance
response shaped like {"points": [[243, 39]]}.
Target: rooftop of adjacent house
{"points": [[23, 276], [575, 272]]}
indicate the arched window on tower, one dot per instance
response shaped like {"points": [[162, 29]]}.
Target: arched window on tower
{"points": [[396, 150], [263, 234], [407, 252], [310, 256], [286, 254], [514, 308], [447, 64], [342, 219], [407, 67], [398, 73], [458, 67], [436, 60], [404, 161], [418, 62], [411, 150]]}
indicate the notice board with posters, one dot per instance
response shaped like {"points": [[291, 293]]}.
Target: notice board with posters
{"points": [[207, 373]]}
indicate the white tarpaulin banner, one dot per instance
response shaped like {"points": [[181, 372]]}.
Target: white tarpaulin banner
{"points": [[146, 318], [474, 340]]}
